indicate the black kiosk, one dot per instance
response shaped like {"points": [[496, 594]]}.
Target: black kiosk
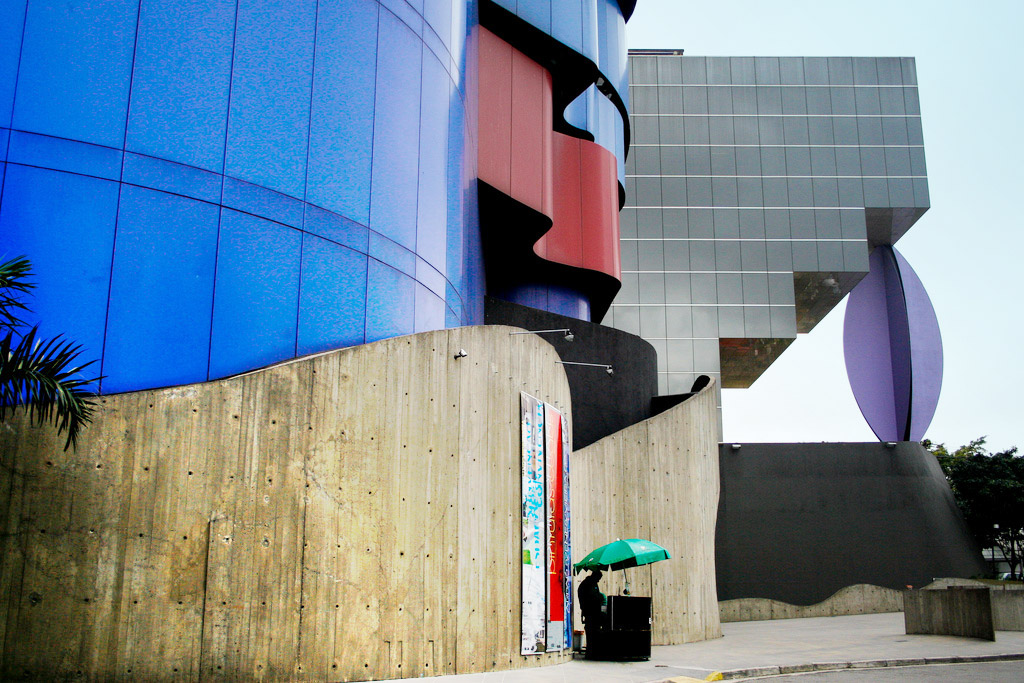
{"points": [[626, 632], [622, 627]]}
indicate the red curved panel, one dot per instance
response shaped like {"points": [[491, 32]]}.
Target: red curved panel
{"points": [[572, 181], [515, 123]]}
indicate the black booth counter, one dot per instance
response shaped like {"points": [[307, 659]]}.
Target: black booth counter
{"points": [[626, 631]]}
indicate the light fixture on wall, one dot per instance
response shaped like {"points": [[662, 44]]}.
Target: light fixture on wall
{"points": [[461, 354], [607, 368], [569, 336]]}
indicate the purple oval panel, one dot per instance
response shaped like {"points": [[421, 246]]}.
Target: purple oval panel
{"points": [[893, 349]]}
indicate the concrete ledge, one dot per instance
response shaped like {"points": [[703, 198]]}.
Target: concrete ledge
{"points": [[857, 599]]}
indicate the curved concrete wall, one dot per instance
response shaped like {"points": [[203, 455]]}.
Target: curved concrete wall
{"points": [[349, 516], [209, 187], [657, 480]]}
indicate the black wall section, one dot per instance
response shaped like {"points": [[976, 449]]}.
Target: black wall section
{"points": [[797, 522], [602, 404]]}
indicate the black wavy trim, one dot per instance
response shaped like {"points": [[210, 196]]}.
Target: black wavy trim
{"points": [[509, 229]]}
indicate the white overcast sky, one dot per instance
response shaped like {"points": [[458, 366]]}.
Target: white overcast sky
{"points": [[968, 249]]}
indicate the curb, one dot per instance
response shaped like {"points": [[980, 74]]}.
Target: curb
{"points": [[784, 669]]}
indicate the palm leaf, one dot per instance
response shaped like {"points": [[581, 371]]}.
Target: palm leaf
{"points": [[43, 377], [13, 281]]}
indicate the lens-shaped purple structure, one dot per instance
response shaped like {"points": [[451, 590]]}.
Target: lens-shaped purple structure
{"points": [[893, 349]]}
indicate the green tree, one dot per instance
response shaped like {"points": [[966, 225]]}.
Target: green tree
{"points": [[43, 377], [989, 489]]}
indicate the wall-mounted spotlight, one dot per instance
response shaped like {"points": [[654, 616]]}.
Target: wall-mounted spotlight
{"points": [[890, 444], [461, 354], [569, 336], [607, 368], [736, 446]]}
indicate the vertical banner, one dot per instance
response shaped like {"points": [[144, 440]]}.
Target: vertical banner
{"points": [[556, 527], [534, 615], [563, 430]]}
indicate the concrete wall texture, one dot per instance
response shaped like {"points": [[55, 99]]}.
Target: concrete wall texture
{"points": [[350, 516], [797, 522], [958, 611]]}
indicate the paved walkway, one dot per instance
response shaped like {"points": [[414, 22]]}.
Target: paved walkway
{"points": [[761, 647]]}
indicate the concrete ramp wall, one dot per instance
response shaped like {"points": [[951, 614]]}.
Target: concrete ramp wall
{"points": [[657, 480]]}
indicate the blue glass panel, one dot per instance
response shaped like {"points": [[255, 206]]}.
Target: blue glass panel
{"points": [[394, 255], [332, 303], [75, 67], [427, 276], [435, 45], [12, 20], [180, 85], [438, 14], [64, 155], [390, 303], [429, 310], [456, 255], [262, 202], [336, 228], [464, 23], [171, 177], [568, 302], [4, 135], [269, 122], [474, 287], [161, 292], [396, 133], [567, 23], [454, 303], [536, 12], [70, 242], [409, 16], [341, 127], [432, 204], [257, 294], [590, 29], [576, 113], [451, 318]]}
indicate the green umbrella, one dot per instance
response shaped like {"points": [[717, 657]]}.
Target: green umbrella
{"points": [[620, 554]]}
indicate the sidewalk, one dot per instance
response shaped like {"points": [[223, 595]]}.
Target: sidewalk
{"points": [[748, 647]]}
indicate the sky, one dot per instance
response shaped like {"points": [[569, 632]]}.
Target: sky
{"points": [[968, 249]]}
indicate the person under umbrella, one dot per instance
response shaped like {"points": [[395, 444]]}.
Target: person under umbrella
{"points": [[592, 602]]}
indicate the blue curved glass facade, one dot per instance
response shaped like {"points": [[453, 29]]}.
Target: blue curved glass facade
{"points": [[205, 187]]}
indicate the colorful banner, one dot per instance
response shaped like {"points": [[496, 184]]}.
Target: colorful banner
{"points": [[547, 563], [556, 527], [563, 425], [534, 616]]}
